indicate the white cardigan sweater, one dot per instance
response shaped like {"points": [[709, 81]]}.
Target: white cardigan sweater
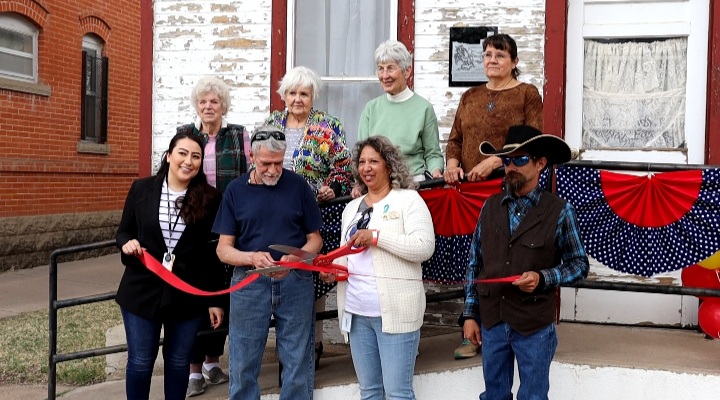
{"points": [[406, 238]]}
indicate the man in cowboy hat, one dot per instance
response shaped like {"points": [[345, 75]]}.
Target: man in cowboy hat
{"points": [[532, 233]]}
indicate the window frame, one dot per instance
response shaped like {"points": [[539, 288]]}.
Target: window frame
{"points": [[608, 19], [290, 58], [405, 28], [20, 25], [92, 46]]}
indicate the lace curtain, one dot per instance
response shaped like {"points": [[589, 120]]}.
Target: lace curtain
{"points": [[634, 94]]}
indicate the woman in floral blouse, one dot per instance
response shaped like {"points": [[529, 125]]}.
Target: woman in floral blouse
{"points": [[316, 150], [315, 139]]}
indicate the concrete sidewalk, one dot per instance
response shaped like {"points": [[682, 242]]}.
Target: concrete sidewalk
{"points": [[27, 290]]}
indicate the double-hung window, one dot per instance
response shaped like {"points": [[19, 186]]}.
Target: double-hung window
{"points": [[18, 48], [337, 39], [94, 91]]}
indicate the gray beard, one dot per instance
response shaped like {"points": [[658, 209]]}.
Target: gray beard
{"points": [[515, 181]]}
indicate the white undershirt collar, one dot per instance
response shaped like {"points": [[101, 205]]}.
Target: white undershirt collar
{"points": [[400, 97]]}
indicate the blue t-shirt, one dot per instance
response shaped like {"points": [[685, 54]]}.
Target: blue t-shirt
{"points": [[260, 215]]}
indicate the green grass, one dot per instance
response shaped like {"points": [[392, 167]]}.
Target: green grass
{"points": [[24, 344]]}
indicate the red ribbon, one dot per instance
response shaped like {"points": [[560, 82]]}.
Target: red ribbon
{"points": [[507, 279], [153, 265]]}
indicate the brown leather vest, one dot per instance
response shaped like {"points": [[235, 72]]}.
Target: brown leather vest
{"points": [[531, 248]]}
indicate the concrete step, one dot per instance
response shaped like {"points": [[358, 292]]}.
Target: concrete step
{"points": [[592, 362]]}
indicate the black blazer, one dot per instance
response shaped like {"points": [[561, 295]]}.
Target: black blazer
{"points": [[141, 291]]}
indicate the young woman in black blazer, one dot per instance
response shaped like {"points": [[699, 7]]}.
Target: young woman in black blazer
{"points": [[169, 216]]}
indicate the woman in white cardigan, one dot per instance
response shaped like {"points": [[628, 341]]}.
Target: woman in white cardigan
{"points": [[381, 305]]}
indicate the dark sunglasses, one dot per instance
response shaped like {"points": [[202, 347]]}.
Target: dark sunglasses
{"points": [[265, 135], [519, 161], [364, 220]]}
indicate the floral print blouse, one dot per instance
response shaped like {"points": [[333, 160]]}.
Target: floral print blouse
{"points": [[322, 157]]}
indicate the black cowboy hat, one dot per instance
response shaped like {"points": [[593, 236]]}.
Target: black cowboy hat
{"points": [[528, 139]]}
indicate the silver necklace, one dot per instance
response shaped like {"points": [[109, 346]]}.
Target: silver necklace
{"points": [[492, 93]]}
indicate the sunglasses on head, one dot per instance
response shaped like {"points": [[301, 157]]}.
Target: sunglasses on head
{"points": [[519, 161], [265, 135]]}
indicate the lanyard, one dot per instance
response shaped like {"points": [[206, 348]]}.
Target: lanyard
{"points": [[171, 227]]}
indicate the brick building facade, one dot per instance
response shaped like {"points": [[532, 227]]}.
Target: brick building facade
{"points": [[69, 107]]}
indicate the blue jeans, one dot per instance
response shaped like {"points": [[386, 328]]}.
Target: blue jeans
{"points": [[291, 302], [143, 340], [384, 362], [534, 353]]}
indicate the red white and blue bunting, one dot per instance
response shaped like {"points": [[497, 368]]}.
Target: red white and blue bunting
{"points": [[645, 225]]}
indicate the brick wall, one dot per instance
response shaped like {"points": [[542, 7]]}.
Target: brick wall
{"points": [[49, 179], [41, 170]]}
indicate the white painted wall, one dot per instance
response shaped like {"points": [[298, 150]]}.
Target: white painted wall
{"points": [[567, 381], [524, 20], [191, 39], [231, 39]]}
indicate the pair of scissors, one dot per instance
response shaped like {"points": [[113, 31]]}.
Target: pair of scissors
{"points": [[312, 261]]}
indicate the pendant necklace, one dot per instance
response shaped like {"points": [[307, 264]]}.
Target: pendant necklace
{"points": [[492, 93]]}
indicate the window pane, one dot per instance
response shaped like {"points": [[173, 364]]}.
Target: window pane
{"points": [[16, 41], [634, 93], [91, 74], [14, 64], [346, 101], [339, 37]]}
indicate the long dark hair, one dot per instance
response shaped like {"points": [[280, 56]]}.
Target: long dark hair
{"points": [[195, 205], [504, 42]]}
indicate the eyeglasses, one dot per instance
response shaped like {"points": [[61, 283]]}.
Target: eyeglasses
{"points": [[498, 56], [364, 220], [265, 135], [519, 161]]}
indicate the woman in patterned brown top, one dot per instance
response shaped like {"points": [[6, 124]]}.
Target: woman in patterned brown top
{"points": [[486, 112]]}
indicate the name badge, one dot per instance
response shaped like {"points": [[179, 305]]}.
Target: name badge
{"points": [[168, 260], [346, 322]]}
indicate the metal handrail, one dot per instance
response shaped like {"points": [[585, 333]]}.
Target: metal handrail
{"points": [[55, 305]]}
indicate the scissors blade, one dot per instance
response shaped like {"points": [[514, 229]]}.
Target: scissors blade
{"points": [[304, 255], [266, 270]]}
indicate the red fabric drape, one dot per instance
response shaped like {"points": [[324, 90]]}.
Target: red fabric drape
{"points": [[455, 210], [653, 200]]}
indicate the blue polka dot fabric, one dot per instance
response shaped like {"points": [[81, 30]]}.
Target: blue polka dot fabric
{"points": [[330, 232], [448, 263], [643, 251]]}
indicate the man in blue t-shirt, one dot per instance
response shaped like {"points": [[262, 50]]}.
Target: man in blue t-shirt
{"points": [[265, 206]]}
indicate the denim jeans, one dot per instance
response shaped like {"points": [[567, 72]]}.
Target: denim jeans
{"points": [[534, 353], [290, 301], [143, 337], [384, 362]]}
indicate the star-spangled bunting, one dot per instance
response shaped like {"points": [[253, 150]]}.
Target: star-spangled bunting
{"points": [[645, 225]]}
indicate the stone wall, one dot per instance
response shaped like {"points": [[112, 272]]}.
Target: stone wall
{"points": [[27, 242]]}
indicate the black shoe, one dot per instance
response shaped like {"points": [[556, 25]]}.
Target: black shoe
{"points": [[318, 353]]}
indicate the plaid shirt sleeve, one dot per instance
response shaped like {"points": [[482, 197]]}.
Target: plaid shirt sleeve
{"points": [[575, 265], [475, 264]]}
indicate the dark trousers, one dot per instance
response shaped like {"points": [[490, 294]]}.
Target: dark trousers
{"points": [[210, 345]]}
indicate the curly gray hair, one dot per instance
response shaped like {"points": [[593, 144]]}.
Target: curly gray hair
{"points": [[400, 177], [300, 77], [211, 84]]}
